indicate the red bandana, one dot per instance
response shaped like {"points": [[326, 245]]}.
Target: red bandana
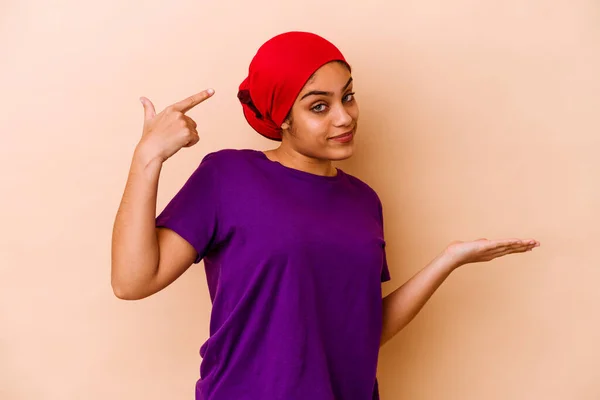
{"points": [[277, 74]]}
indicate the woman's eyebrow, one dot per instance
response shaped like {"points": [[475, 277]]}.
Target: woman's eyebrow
{"points": [[322, 93]]}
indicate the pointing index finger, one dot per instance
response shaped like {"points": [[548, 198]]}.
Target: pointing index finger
{"points": [[187, 104]]}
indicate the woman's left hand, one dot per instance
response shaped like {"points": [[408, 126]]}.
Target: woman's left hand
{"points": [[481, 250]]}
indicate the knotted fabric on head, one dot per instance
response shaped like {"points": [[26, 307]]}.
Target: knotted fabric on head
{"points": [[277, 74]]}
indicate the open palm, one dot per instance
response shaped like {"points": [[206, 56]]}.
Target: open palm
{"points": [[486, 250]]}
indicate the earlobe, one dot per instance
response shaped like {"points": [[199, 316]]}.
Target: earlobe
{"points": [[285, 126]]}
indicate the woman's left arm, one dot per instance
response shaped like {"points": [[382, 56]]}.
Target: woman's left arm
{"points": [[403, 304]]}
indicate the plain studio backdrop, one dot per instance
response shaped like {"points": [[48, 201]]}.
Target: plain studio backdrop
{"points": [[478, 119]]}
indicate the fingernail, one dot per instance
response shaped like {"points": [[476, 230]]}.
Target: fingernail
{"points": [[211, 91]]}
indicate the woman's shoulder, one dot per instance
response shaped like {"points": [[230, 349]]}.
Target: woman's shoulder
{"points": [[228, 159], [361, 185], [230, 164], [230, 155]]}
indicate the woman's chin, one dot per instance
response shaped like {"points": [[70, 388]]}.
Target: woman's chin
{"points": [[341, 153]]}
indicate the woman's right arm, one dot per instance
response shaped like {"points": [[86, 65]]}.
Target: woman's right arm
{"points": [[146, 259]]}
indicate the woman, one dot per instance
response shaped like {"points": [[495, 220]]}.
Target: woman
{"points": [[293, 248]]}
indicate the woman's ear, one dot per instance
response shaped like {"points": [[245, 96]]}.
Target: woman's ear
{"points": [[285, 126]]}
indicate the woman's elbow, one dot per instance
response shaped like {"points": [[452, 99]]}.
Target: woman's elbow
{"points": [[126, 290], [124, 293]]}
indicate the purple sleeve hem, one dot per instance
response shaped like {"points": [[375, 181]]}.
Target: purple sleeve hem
{"points": [[181, 231]]}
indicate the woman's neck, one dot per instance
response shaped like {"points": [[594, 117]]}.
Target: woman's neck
{"points": [[293, 159]]}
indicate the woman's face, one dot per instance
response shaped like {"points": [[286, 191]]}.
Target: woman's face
{"points": [[323, 120]]}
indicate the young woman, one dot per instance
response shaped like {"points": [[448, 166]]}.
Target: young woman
{"points": [[293, 248]]}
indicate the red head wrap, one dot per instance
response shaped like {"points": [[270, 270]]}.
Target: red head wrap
{"points": [[277, 74]]}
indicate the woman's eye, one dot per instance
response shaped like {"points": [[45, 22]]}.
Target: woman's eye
{"points": [[319, 108]]}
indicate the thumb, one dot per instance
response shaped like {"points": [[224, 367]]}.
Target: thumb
{"points": [[149, 111]]}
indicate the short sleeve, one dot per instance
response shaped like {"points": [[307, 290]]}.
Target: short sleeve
{"points": [[193, 212], [385, 271]]}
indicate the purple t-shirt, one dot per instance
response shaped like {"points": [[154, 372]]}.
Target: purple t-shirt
{"points": [[294, 263]]}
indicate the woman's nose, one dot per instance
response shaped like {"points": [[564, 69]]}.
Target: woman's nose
{"points": [[342, 117]]}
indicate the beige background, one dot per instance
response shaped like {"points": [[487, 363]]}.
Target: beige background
{"points": [[479, 118]]}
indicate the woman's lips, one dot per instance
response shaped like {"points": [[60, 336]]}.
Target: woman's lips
{"points": [[344, 138]]}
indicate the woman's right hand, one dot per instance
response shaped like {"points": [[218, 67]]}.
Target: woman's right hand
{"points": [[164, 134]]}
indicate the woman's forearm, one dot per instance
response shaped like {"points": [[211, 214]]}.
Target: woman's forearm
{"points": [[403, 304]]}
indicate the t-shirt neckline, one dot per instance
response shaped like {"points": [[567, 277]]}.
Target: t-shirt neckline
{"points": [[299, 173]]}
